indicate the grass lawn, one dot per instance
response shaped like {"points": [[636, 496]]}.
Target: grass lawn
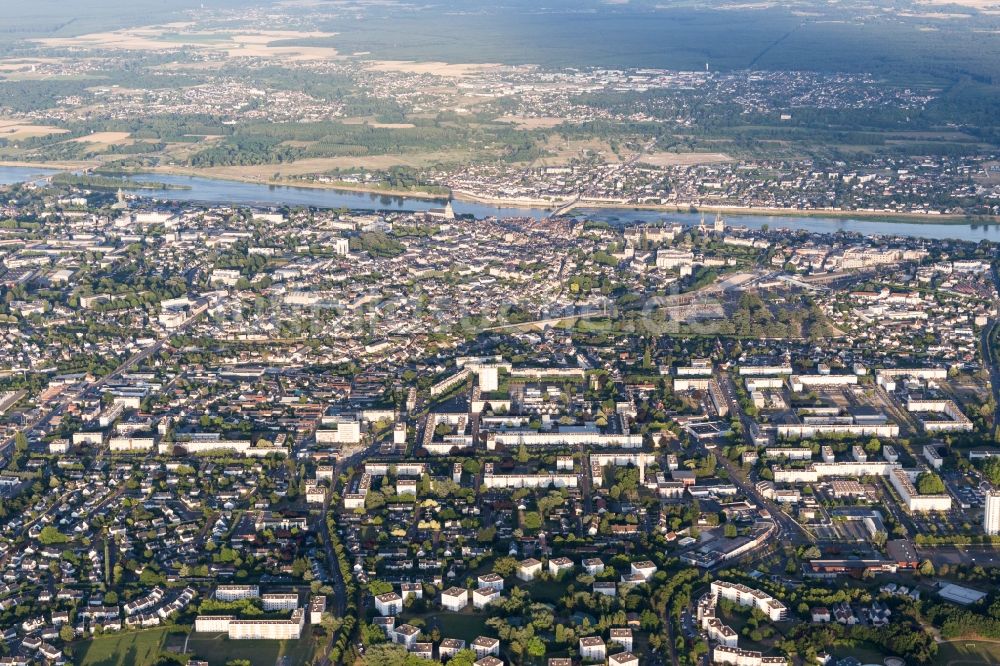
{"points": [[968, 652], [863, 651], [217, 649], [548, 591], [466, 626], [127, 649]]}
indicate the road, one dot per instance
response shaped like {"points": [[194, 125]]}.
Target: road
{"points": [[989, 358], [339, 608], [990, 361], [788, 528]]}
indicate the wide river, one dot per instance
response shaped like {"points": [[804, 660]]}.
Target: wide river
{"points": [[208, 190]]}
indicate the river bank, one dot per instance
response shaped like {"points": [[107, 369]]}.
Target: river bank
{"points": [[875, 216], [549, 205], [337, 186], [544, 205], [212, 191]]}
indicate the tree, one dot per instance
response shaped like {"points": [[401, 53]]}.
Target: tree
{"points": [[392, 655], [991, 470], [66, 633], [522, 454], [463, 658], [505, 566], [929, 483], [372, 634], [926, 568], [535, 647], [50, 535], [532, 520]]}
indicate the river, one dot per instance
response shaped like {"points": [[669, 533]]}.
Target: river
{"points": [[209, 190], [214, 191], [10, 175]]}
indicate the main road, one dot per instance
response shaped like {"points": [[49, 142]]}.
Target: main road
{"points": [[333, 564], [787, 526], [989, 357]]}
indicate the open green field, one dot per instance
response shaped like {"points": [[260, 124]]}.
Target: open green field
{"points": [[866, 653], [217, 649], [547, 591], [466, 626], [131, 649], [968, 652]]}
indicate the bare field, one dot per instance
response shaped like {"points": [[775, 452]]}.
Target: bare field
{"points": [[684, 159], [532, 123], [16, 130], [24, 69], [105, 138], [456, 70], [563, 151], [374, 123], [260, 44]]}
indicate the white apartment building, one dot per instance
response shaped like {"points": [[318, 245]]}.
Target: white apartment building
{"points": [[279, 602], [236, 592], [560, 564], [745, 596], [348, 431], [491, 580], [623, 659], [253, 629], [646, 569], [455, 598], [212, 624], [130, 444], [406, 635], [415, 590], [991, 515], [485, 646], [389, 603], [484, 596], [592, 648], [622, 636], [734, 656], [273, 630], [528, 569]]}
